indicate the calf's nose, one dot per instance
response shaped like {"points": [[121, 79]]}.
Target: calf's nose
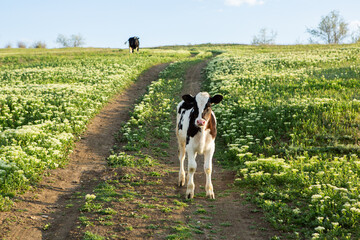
{"points": [[200, 122]]}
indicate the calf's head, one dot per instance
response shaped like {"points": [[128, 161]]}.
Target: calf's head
{"points": [[202, 106]]}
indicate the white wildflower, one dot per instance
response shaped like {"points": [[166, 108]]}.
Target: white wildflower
{"points": [[90, 197], [319, 229]]}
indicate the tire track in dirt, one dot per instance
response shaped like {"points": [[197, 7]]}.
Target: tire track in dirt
{"points": [[47, 203]]}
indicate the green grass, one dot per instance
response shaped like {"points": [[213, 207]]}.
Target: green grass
{"points": [[123, 159], [180, 204], [85, 221], [201, 211], [92, 236], [152, 226], [180, 232], [225, 224], [289, 125], [107, 211]]}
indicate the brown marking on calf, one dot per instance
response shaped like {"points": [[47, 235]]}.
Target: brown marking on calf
{"points": [[211, 124]]}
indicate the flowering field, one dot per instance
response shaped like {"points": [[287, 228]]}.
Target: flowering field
{"points": [[290, 123], [46, 99]]}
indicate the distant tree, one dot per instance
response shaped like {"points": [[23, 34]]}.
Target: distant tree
{"points": [[77, 40], [62, 40], [264, 38], [332, 28], [8, 45], [21, 45], [39, 44], [355, 36], [74, 41], [312, 41]]}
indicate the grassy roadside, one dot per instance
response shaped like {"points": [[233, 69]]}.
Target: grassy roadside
{"points": [[290, 123]]}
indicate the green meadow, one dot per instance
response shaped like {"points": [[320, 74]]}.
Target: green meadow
{"points": [[288, 124]]}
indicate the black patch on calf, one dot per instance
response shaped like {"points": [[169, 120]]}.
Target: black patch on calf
{"points": [[188, 98], [216, 99], [182, 109], [193, 129], [180, 126], [185, 106]]}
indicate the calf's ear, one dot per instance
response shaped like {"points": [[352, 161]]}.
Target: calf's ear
{"points": [[188, 98], [216, 99]]}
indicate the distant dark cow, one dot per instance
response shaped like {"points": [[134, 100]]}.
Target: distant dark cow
{"points": [[196, 132], [133, 44]]}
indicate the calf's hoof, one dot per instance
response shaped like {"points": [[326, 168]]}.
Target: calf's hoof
{"points": [[210, 191], [211, 195], [189, 194], [181, 181]]}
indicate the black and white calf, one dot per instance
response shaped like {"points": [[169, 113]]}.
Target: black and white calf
{"points": [[196, 132]]}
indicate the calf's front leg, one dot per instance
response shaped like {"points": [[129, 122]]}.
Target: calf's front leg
{"points": [[191, 171], [208, 170], [181, 159]]}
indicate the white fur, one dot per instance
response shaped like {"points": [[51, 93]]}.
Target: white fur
{"points": [[201, 99]]}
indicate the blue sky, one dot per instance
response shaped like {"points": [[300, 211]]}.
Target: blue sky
{"points": [[109, 23]]}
